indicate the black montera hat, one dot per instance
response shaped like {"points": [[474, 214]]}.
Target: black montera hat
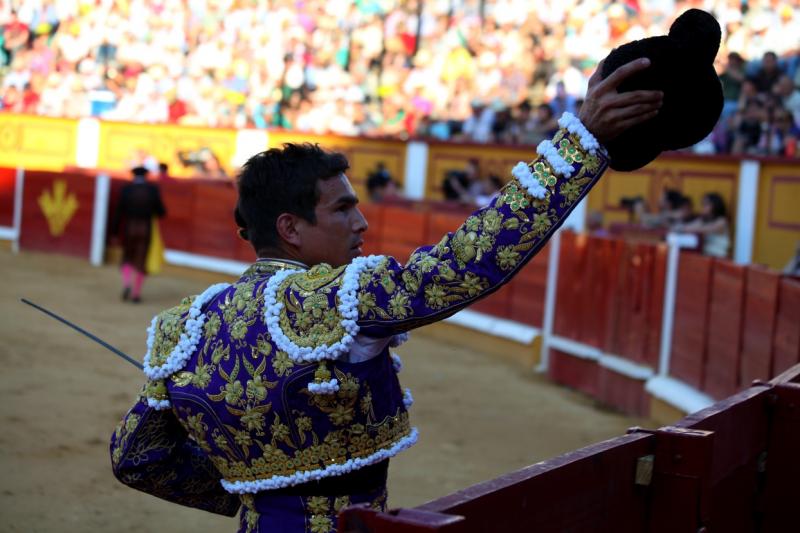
{"points": [[140, 171], [682, 66]]}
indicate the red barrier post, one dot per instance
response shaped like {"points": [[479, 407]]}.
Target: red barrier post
{"points": [[787, 327], [782, 468], [760, 313], [8, 181], [725, 321], [690, 332], [57, 213]]}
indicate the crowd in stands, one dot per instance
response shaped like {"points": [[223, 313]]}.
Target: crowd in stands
{"points": [[496, 71]]}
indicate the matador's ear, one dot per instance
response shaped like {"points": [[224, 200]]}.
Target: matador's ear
{"points": [[682, 66]]}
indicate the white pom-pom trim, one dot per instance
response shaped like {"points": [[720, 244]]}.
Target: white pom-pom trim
{"points": [[572, 124], [188, 339], [277, 482], [397, 363], [523, 173], [398, 339], [324, 387], [348, 309], [560, 166], [158, 405], [408, 400]]}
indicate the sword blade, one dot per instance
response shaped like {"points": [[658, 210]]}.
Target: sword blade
{"points": [[79, 329]]}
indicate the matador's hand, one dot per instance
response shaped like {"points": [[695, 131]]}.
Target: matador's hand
{"points": [[607, 113]]}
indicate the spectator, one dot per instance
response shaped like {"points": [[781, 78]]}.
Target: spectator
{"points": [[792, 268], [673, 208], [747, 128], [768, 74], [732, 79], [380, 185], [359, 66], [712, 225], [462, 185], [789, 96]]}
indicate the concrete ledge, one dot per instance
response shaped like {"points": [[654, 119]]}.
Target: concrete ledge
{"points": [[7, 233], [626, 367], [575, 348], [204, 262], [497, 327], [678, 394]]}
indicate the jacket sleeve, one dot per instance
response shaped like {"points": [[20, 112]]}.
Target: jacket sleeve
{"points": [[385, 297], [151, 452]]}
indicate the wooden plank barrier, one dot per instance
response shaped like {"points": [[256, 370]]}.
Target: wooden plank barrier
{"points": [[787, 326], [725, 321], [732, 467], [372, 237], [597, 298], [571, 267], [635, 322], [527, 291], [57, 213], [689, 338], [760, 313], [403, 230], [8, 180]]}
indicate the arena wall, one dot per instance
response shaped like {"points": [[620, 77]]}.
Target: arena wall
{"points": [[627, 321], [731, 467], [762, 193]]}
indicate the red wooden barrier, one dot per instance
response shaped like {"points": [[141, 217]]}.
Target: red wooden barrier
{"points": [[596, 299], [8, 180], [622, 392], [403, 231], [567, 493], [213, 228], [574, 372], [571, 266], [787, 326], [372, 237], [57, 213], [725, 320], [635, 320], [528, 291], [732, 467], [782, 467], [760, 312], [691, 319]]}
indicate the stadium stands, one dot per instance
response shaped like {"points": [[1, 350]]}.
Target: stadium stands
{"points": [[460, 70]]}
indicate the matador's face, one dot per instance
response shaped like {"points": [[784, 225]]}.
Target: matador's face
{"points": [[336, 237]]}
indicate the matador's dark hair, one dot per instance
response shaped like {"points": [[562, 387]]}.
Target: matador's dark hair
{"points": [[282, 180]]}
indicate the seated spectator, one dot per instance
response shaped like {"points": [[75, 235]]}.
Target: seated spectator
{"points": [[769, 73], [380, 185], [478, 127], [789, 95], [792, 268], [732, 78], [530, 129], [594, 224], [747, 128], [712, 225], [485, 189], [672, 209], [461, 185]]}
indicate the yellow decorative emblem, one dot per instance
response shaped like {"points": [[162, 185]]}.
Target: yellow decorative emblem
{"points": [[58, 207]]}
